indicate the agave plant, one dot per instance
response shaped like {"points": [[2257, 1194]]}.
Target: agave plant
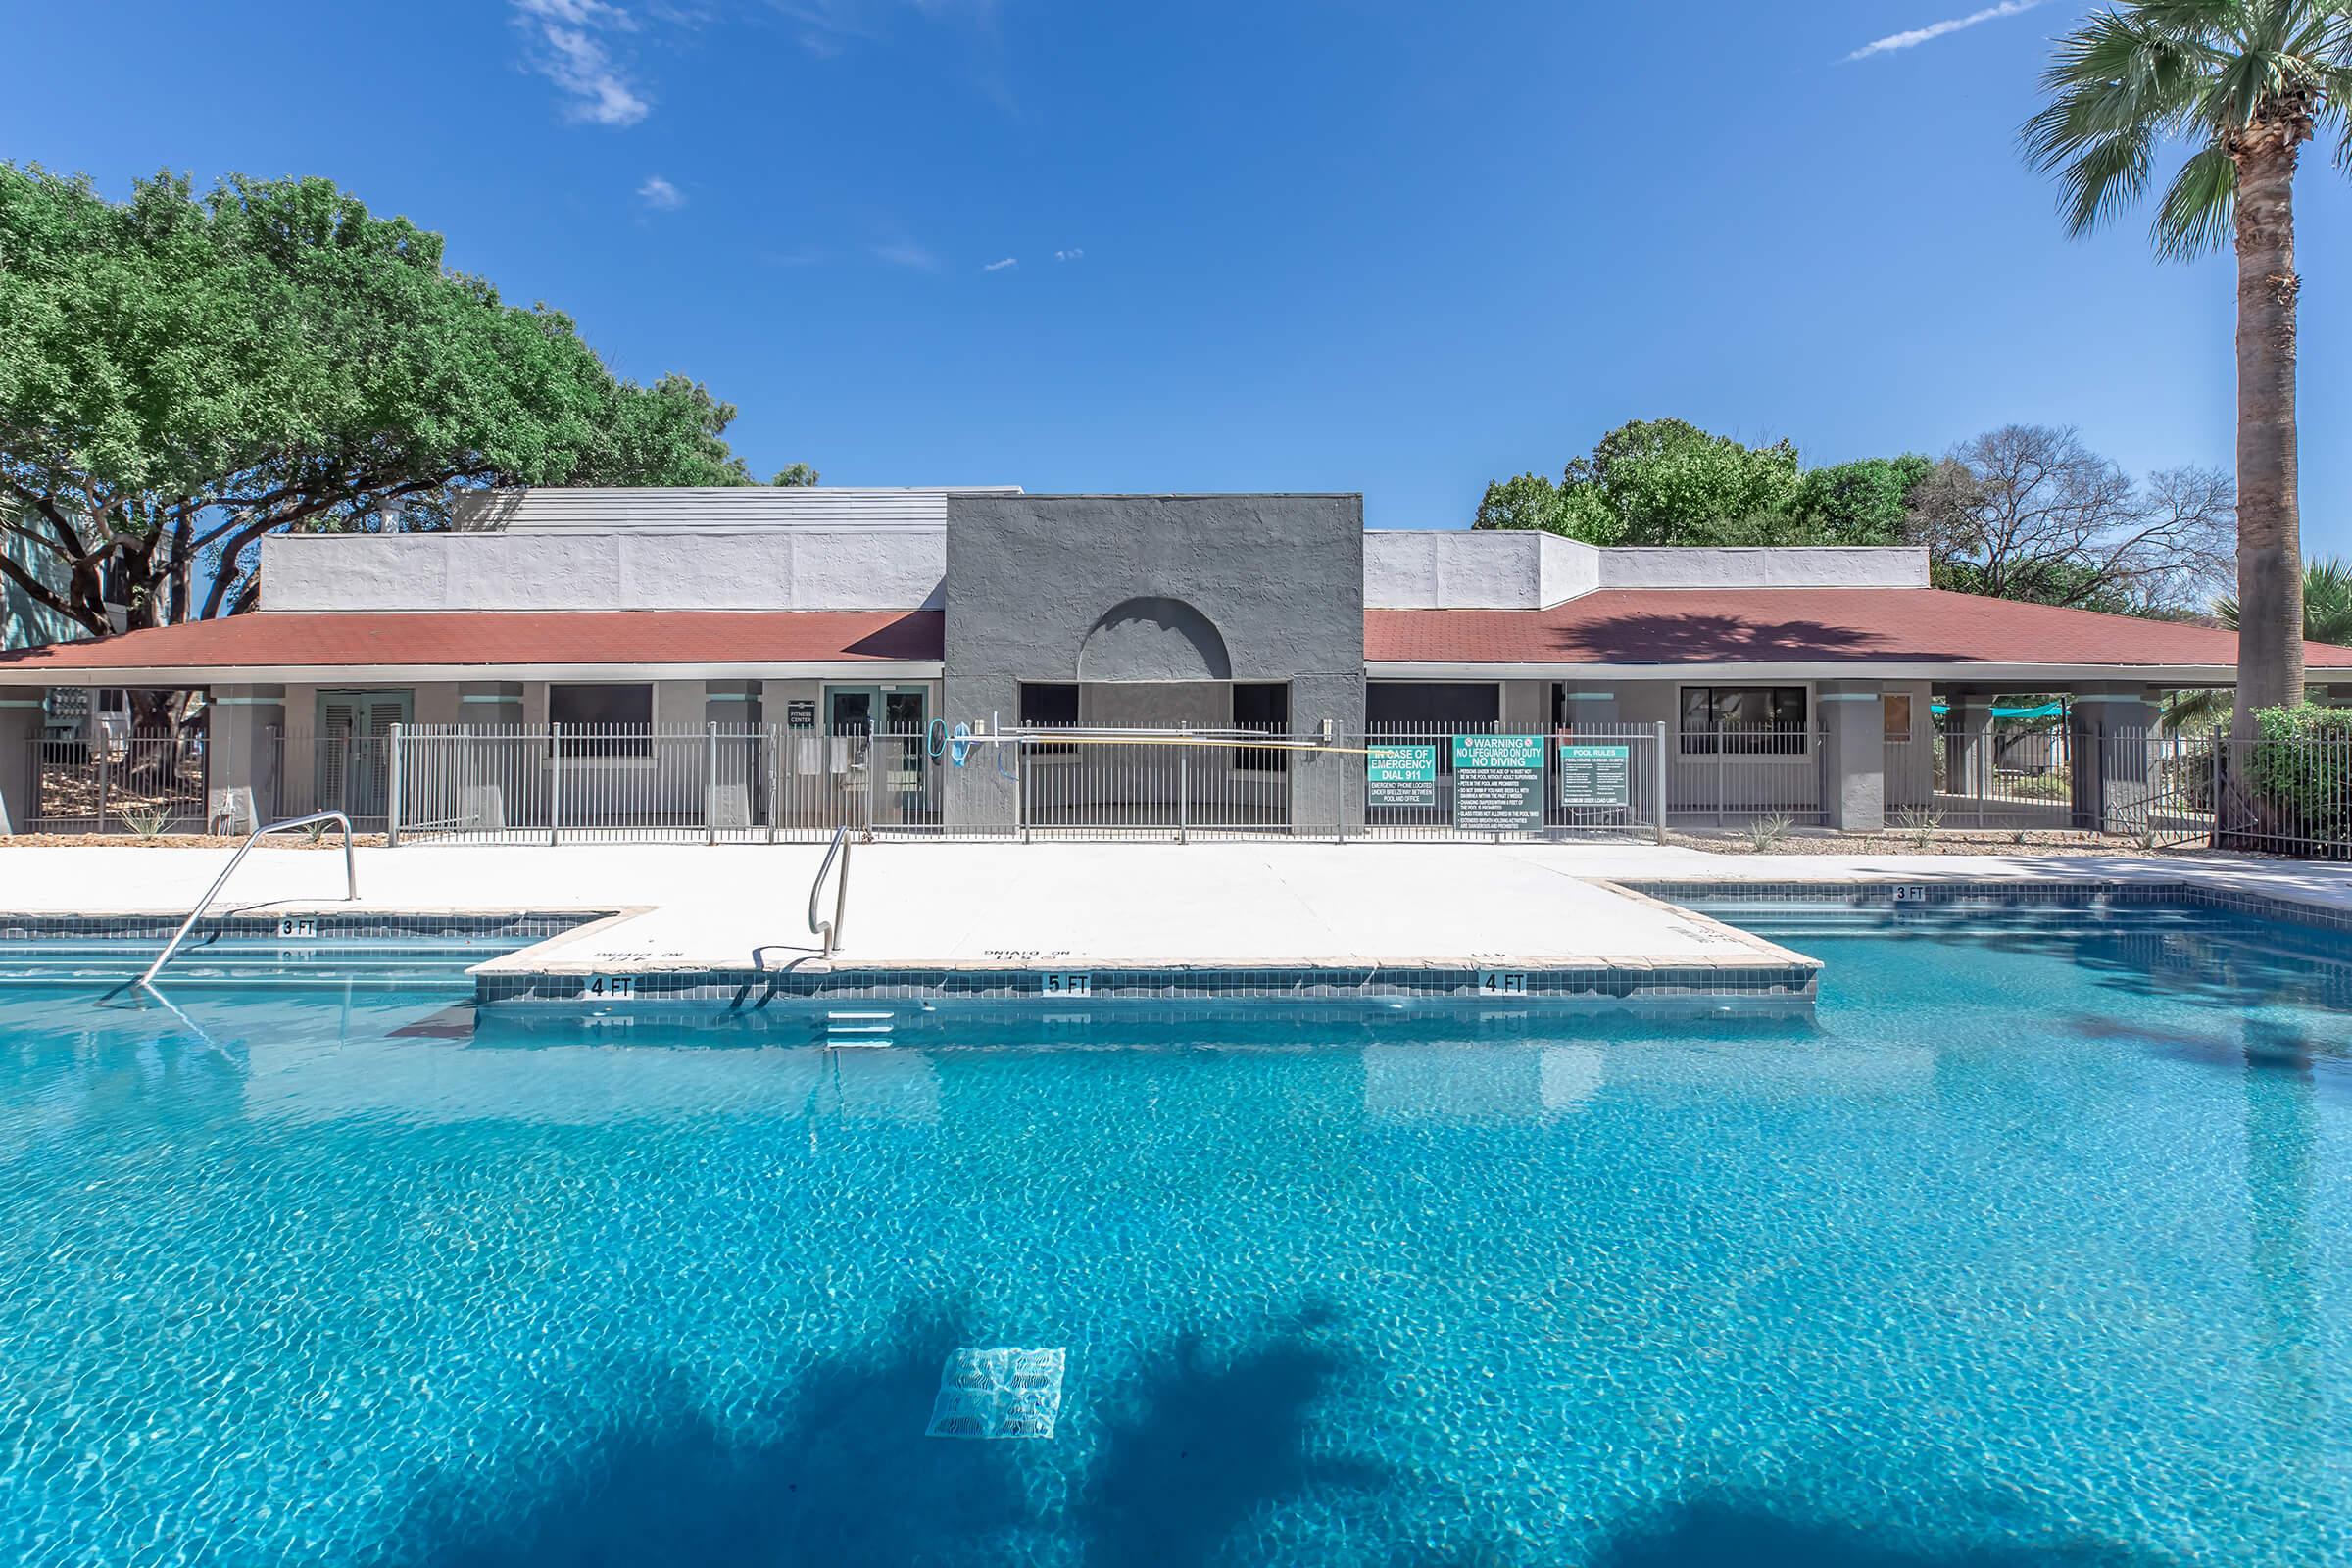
{"points": [[2241, 84]]}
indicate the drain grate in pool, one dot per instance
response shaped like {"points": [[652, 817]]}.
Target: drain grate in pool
{"points": [[998, 1394]]}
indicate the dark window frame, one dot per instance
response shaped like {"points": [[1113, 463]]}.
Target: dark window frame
{"points": [[1716, 730], [1031, 718], [1263, 759], [617, 739]]}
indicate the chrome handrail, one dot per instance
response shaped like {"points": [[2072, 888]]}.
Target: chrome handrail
{"points": [[351, 881], [830, 930]]}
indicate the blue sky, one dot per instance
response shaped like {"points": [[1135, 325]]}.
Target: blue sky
{"points": [[1395, 248]]}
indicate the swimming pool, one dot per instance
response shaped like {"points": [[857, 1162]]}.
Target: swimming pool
{"points": [[2025, 1244]]}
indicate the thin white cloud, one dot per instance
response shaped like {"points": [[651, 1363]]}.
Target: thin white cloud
{"points": [[567, 47], [906, 253], [828, 27], [660, 195], [1937, 29], [1000, 266], [1070, 255]]}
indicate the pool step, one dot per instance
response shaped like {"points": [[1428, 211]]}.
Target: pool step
{"points": [[860, 1028]]}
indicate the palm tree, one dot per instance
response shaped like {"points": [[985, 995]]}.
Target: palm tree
{"points": [[2244, 83], [2326, 618]]}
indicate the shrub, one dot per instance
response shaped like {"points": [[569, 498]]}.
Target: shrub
{"points": [[2299, 771], [1918, 825]]}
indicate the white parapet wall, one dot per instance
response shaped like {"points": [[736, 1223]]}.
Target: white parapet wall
{"points": [[1804, 567], [795, 569], [1455, 569], [1513, 569], [732, 509]]}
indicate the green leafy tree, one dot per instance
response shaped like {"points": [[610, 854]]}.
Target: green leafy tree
{"points": [[1865, 502], [2241, 84], [1650, 482], [1668, 482], [182, 375], [795, 476], [1529, 501]]}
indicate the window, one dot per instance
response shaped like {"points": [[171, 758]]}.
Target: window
{"points": [[603, 720], [1743, 720], [1431, 706], [1263, 707], [1049, 705], [1897, 706]]}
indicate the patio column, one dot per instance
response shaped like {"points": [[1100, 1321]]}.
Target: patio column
{"points": [[1853, 756], [2107, 731], [21, 709], [242, 738]]}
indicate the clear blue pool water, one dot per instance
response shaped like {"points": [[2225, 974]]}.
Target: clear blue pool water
{"points": [[2034, 1246]]}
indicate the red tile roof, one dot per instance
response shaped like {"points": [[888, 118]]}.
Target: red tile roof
{"points": [[1663, 627], [294, 639], [1798, 625]]}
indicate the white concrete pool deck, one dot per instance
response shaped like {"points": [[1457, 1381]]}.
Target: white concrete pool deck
{"points": [[979, 904]]}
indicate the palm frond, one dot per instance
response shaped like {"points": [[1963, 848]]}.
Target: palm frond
{"points": [[2327, 602], [2198, 709], [2137, 73], [2119, 82], [2194, 215]]}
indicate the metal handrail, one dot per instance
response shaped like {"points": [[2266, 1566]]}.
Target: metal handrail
{"points": [[830, 930], [351, 881]]}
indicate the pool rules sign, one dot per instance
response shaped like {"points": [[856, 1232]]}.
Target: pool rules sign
{"points": [[1596, 775], [1499, 783]]}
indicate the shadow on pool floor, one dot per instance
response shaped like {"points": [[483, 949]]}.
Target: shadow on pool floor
{"points": [[1200, 1446]]}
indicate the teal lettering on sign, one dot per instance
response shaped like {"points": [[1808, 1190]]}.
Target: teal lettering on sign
{"points": [[1596, 775], [1401, 775], [1498, 750]]}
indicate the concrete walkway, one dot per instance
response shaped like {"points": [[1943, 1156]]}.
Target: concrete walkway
{"points": [[1008, 905]]}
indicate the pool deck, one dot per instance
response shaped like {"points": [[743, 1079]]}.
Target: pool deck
{"points": [[931, 914]]}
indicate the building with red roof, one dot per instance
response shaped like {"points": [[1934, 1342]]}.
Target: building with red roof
{"points": [[1832, 684]]}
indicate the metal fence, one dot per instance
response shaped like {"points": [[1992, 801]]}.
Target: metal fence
{"points": [[2281, 797], [2010, 780], [1596, 781], [630, 783], [771, 783], [344, 771], [120, 784], [1092, 782], [1725, 777], [721, 784]]}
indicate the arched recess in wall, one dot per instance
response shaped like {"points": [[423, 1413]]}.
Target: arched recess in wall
{"points": [[1154, 639]]}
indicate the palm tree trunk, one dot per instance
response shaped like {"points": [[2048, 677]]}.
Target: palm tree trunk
{"points": [[2269, 546]]}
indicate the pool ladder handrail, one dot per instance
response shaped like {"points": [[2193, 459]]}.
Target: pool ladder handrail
{"points": [[830, 930], [351, 880]]}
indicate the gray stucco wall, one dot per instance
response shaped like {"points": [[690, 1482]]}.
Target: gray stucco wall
{"points": [[1036, 587]]}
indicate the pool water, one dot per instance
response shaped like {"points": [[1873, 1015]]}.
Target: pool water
{"points": [[2033, 1245]]}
